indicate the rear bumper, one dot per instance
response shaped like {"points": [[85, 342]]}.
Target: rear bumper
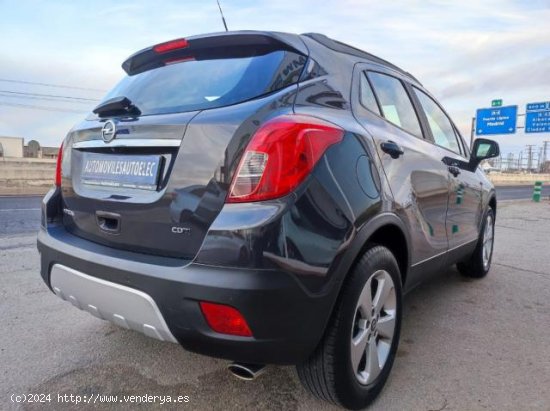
{"points": [[287, 322]]}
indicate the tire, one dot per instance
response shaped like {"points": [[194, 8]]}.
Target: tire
{"points": [[478, 265], [329, 374]]}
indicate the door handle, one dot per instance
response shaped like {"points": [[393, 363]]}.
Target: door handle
{"points": [[392, 148], [454, 170]]}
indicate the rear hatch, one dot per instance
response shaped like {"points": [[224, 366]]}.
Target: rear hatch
{"points": [[150, 172]]}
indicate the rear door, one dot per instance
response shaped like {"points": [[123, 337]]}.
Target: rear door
{"points": [[418, 179], [464, 212]]}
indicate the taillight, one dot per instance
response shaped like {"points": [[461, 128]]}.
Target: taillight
{"points": [[171, 45], [280, 155], [58, 166], [225, 319]]}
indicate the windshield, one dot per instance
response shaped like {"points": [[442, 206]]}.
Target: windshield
{"points": [[197, 85]]}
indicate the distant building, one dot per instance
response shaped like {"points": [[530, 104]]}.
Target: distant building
{"points": [[50, 152], [11, 146], [14, 147], [32, 149]]}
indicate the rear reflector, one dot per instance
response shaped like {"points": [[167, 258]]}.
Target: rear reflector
{"points": [[171, 45], [225, 319], [280, 155], [58, 166]]}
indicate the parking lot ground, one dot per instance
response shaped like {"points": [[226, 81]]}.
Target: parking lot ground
{"points": [[465, 344]]}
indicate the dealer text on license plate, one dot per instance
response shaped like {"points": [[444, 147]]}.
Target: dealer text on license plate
{"points": [[126, 171]]}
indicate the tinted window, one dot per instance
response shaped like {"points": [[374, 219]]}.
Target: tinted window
{"points": [[395, 102], [202, 84], [367, 96], [442, 128]]}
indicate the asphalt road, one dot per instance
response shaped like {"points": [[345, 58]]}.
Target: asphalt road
{"points": [[19, 215], [519, 192], [465, 345], [22, 214]]}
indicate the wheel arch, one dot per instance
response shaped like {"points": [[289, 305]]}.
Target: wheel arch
{"points": [[389, 231], [385, 229], [391, 237]]}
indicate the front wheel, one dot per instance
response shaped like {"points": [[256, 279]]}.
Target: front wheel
{"points": [[479, 264], [353, 361]]}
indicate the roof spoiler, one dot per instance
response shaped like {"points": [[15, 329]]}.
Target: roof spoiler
{"points": [[212, 46]]}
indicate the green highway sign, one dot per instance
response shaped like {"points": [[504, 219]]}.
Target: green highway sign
{"points": [[496, 103]]}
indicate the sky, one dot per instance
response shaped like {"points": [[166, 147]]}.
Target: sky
{"points": [[465, 52]]}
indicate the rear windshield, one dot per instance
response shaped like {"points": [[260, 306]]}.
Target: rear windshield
{"points": [[203, 84]]}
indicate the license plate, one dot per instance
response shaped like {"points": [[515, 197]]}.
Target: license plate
{"points": [[126, 171]]}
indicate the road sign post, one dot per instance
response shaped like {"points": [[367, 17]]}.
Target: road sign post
{"points": [[472, 132]]}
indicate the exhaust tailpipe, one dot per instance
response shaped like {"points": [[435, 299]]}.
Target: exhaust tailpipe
{"points": [[246, 372]]}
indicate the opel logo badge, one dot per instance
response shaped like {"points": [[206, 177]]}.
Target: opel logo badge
{"points": [[108, 132]]}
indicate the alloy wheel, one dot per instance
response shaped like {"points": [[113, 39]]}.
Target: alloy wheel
{"points": [[373, 327]]}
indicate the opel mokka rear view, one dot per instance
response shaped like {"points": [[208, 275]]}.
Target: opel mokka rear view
{"points": [[266, 198]]}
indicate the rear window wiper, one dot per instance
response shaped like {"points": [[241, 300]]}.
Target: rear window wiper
{"points": [[117, 106]]}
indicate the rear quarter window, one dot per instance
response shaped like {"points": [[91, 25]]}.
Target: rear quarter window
{"points": [[366, 95]]}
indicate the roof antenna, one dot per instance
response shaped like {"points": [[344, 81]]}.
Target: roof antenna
{"points": [[223, 18]]}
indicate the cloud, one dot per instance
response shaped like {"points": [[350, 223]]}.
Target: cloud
{"points": [[465, 53]]}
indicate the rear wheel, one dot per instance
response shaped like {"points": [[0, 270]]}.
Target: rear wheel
{"points": [[353, 361], [479, 263]]}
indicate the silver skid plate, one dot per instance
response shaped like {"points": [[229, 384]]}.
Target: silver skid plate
{"points": [[121, 305]]}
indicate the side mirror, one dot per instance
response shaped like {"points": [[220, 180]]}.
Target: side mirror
{"points": [[482, 150]]}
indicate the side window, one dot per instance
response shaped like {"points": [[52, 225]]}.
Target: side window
{"points": [[395, 102], [366, 95], [442, 128]]}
